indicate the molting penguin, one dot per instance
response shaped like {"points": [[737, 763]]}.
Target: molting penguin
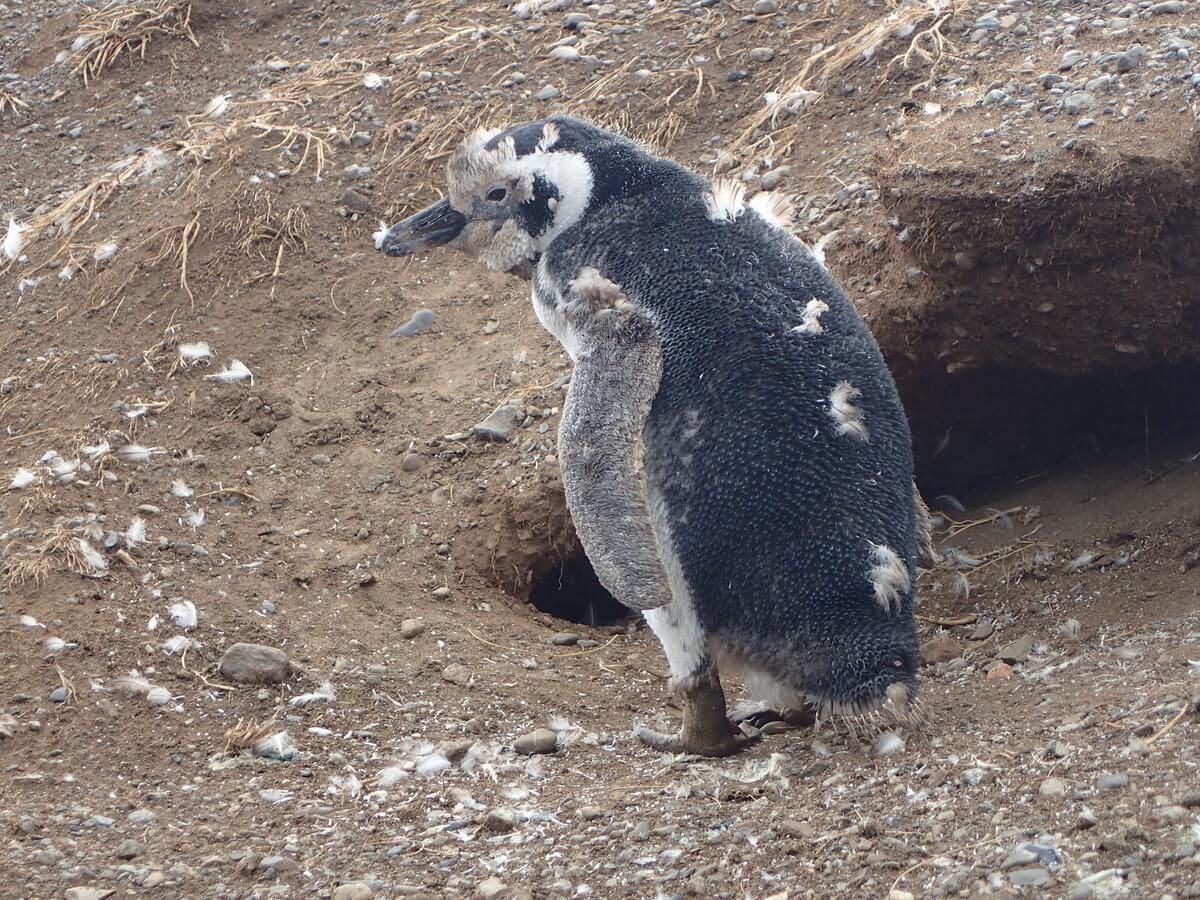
{"points": [[734, 453]]}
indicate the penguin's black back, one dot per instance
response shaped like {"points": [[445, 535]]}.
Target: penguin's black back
{"points": [[773, 511]]}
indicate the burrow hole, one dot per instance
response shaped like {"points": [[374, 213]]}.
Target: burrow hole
{"points": [[568, 588]]}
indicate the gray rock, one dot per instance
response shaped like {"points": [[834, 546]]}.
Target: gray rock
{"points": [[320, 459], [353, 890], [1085, 124], [761, 55], [1071, 59], [500, 425], [1018, 650], [412, 462], [1167, 7], [548, 92], [1032, 877], [129, 849], [775, 177], [995, 95], [1113, 781], [143, 817], [87, 893], [491, 888], [541, 741], [422, 320], [411, 628], [58, 695], [1077, 103], [765, 7], [564, 639], [254, 664], [501, 820], [1053, 787]]}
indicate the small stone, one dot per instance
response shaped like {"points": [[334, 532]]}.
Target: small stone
{"points": [[501, 820], [1018, 650], [1112, 782], [441, 593], [1053, 787], [456, 673], [254, 664], [1000, 672], [541, 741], [129, 849], [491, 888], [1190, 800], [1086, 819], [940, 648], [549, 92], [411, 628], [775, 177], [1071, 59], [761, 55], [1167, 7], [500, 425], [983, 630], [1085, 124], [564, 639], [422, 320], [590, 813], [58, 695], [412, 462], [765, 7], [87, 893], [143, 817], [1031, 877], [1078, 103], [320, 459], [897, 894], [354, 890]]}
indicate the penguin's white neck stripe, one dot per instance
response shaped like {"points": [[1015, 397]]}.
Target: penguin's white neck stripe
{"points": [[572, 176]]}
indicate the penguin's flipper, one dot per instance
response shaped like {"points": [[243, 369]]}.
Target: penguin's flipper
{"points": [[617, 373]]}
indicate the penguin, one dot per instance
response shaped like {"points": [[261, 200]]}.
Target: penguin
{"points": [[733, 449]]}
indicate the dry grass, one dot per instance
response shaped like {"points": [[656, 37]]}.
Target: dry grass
{"points": [[59, 550], [10, 102], [245, 733], [125, 29]]}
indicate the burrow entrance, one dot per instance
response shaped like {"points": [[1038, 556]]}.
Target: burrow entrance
{"points": [[528, 548]]}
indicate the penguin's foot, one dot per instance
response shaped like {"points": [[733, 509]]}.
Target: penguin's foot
{"points": [[760, 716], [706, 729]]}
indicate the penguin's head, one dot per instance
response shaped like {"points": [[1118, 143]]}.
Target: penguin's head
{"points": [[510, 193]]}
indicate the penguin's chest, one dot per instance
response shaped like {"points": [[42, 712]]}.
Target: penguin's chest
{"points": [[547, 305]]}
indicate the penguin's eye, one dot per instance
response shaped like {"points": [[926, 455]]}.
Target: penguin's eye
{"points": [[495, 195]]}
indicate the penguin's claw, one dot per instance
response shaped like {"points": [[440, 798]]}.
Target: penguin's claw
{"points": [[791, 718], [734, 742]]}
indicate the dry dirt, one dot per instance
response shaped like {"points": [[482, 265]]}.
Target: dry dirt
{"points": [[337, 507]]}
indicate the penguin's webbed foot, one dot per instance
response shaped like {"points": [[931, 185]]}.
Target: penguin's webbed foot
{"points": [[760, 717], [706, 729]]}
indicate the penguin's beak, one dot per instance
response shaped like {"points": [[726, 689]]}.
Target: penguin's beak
{"points": [[431, 227]]}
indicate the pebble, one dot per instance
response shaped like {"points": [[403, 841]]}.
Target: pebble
{"points": [[501, 423], [412, 462], [501, 820], [1032, 877], [320, 459], [129, 849], [411, 628], [354, 890], [1112, 782], [564, 639], [143, 817], [254, 664], [1167, 7], [58, 695], [87, 893], [456, 673], [541, 741], [491, 888], [549, 92], [765, 7], [761, 55], [421, 321], [940, 648], [999, 672], [1018, 650], [1053, 787]]}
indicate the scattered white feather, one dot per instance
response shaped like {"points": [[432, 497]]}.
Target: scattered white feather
{"points": [[104, 253], [194, 352], [30, 622], [323, 694], [373, 82], [236, 371], [795, 101], [380, 234], [810, 318], [25, 285], [194, 517], [66, 273], [158, 696], [91, 452], [80, 43], [136, 532], [173, 646], [845, 413], [276, 746], [184, 614], [514, 793], [136, 453], [14, 240], [64, 470], [22, 478], [565, 53], [180, 488], [889, 744], [47, 456], [153, 160], [1081, 562], [91, 556], [152, 625], [390, 776], [133, 684], [431, 765], [217, 106], [58, 645]]}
